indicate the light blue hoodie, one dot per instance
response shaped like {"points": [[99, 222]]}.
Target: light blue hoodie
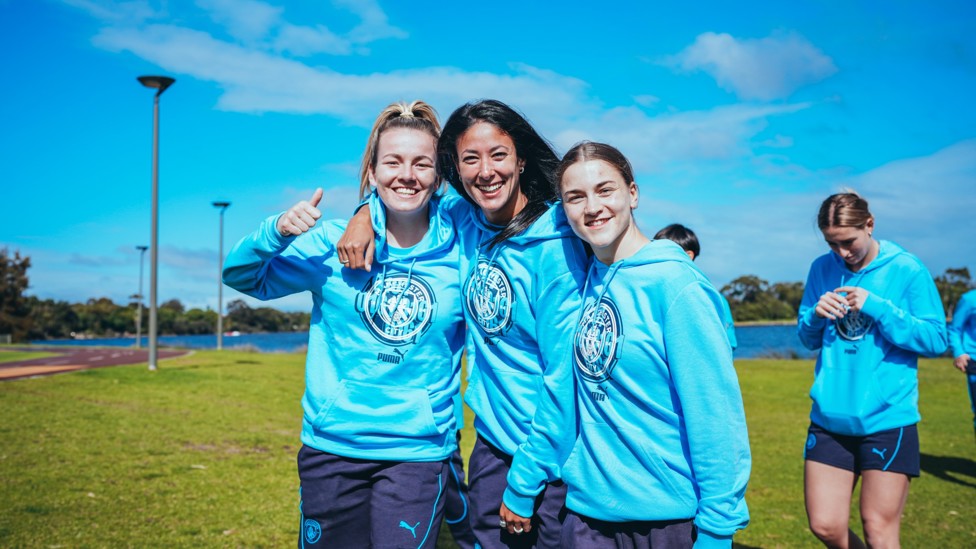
{"points": [[866, 377], [662, 432], [962, 329], [384, 348], [521, 298]]}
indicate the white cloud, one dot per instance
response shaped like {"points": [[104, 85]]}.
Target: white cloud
{"points": [[764, 69], [304, 41], [255, 81], [245, 20], [652, 143], [129, 13], [374, 26], [913, 198], [774, 235]]}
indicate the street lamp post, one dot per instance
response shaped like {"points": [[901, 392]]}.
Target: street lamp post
{"points": [[220, 283], [142, 257], [159, 83]]}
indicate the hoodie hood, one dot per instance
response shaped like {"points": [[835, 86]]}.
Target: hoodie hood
{"points": [[887, 251], [440, 231], [550, 225], [655, 251]]}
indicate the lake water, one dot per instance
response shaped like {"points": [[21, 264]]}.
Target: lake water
{"points": [[754, 342]]}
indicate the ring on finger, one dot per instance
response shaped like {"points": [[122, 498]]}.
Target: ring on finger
{"points": [[519, 529], [502, 523], [344, 261]]}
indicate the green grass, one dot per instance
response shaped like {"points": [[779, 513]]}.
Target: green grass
{"points": [[202, 454], [13, 356]]}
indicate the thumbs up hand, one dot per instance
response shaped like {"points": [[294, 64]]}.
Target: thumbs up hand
{"points": [[301, 217]]}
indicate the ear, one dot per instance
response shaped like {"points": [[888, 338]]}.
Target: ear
{"points": [[869, 226], [634, 195], [691, 254], [371, 177]]}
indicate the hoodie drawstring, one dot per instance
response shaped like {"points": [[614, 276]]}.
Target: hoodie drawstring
{"points": [[381, 287]]}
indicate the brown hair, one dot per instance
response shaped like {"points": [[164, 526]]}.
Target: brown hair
{"points": [[845, 209], [415, 116], [588, 150]]}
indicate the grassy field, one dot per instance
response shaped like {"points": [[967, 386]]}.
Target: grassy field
{"points": [[202, 454]]}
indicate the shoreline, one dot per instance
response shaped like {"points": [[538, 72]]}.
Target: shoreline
{"points": [[765, 323]]}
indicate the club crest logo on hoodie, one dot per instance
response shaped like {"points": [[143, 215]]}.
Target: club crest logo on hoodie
{"points": [[397, 308], [598, 337], [488, 297], [853, 326]]}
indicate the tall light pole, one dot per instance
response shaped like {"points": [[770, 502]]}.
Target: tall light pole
{"points": [[220, 283], [159, 83], [142, 257]]}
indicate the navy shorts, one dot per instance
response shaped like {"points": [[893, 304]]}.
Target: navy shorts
{"points": [[580, 532], [356, 503], [488, 478], [894, 450]]}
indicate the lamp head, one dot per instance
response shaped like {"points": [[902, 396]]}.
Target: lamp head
{"points": [[222, 205], [159, 83]]}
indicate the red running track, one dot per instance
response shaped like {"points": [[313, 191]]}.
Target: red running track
{"points": [[70, 359]]}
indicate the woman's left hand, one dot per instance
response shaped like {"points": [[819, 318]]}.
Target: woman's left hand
{"points": [[514, 523], [855, 296]]}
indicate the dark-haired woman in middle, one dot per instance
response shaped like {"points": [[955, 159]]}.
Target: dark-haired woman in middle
{"points": [[522, 271]]}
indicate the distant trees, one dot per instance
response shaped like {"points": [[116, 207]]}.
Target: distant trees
{"points": [[752, 298], [103, 318], [951, 285], [243, 318], [15, 316]]}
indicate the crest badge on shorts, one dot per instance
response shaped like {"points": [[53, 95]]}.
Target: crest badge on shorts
{"points": [[312, 531], [398, 309], [598, 338], [488, 297]]}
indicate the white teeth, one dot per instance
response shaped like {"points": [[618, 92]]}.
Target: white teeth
{"points": [[597, 223], [490, 188], [405, 191]]}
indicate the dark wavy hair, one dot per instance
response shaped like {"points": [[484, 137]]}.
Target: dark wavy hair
{"points": [[536, 182]]}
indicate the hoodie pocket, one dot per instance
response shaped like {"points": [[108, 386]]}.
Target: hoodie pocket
{"points": [[612, 471], [846, 397], [364, 409]]}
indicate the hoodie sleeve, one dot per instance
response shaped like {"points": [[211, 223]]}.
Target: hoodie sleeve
{"points": [[921, 328], [552, 433], [809, 326], [964, 309], [707, 387], [729, 323], [266, 265]]}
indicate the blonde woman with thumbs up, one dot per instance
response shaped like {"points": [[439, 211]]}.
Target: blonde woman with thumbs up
{"points": [[384, 348]]}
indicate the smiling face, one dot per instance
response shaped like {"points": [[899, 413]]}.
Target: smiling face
{"points": [[853, 244], [599, 204], [404, 174], [488, 166]]}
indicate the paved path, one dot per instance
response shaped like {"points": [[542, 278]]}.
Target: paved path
{"points": [[69, 359]]}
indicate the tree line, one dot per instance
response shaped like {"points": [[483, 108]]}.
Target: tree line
{"points": [[29, 318], [754, 299], [101, 317], [26, 317]]}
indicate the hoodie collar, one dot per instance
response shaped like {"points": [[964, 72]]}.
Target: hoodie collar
{"points": [[440, 231]]}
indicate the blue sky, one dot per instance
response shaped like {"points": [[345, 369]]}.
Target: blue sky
{"points": [[739, 117]]}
